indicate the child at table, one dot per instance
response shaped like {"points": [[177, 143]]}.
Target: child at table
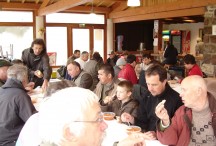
{"points": [[123, 101]]}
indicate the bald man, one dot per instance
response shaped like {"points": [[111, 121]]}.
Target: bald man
{"points": [[194, 123]]}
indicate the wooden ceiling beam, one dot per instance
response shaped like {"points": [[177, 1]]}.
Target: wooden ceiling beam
{"points": [[160, 15], [18, 6], [87, 9], [120, 7], [110, 0], [36, 1], [178, 5], [45, 3], [61, 6]]}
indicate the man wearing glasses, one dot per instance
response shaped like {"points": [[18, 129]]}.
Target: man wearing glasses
{"points": [[73, 117]]}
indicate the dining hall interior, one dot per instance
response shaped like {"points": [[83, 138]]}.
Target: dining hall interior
{"points": [[149, 67]]}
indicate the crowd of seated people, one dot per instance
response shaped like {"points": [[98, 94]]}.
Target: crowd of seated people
{"points": [[146, 100]]}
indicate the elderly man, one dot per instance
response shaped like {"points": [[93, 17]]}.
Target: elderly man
{"points": [[108, 83], [83, 59], [158, 90], [15, 105], [80, 77], [37, 61], [4, 65], [85, 127], [194, 123]]}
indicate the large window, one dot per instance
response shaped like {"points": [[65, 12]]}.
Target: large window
{"points": [[14, 40], [81, 39], [75, 18], [57, 42], [99, 41], [16, 16]]}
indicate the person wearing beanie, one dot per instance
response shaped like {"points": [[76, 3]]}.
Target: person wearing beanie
{"points": [[119, 65], [4, 65]]}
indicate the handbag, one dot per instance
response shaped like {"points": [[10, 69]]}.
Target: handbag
{"points": [[62, 71]]}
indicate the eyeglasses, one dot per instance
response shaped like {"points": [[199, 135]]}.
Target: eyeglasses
{"points": [[99, 120]]}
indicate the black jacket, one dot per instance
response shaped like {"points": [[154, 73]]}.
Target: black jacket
{"points": [[16, 107], [39, 62], [146, 117]]}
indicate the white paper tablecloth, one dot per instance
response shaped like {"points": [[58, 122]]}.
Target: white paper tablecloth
{"points": [[117, 132], [176, 87]]}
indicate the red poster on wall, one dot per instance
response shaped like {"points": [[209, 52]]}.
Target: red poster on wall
{"points": [[186, 38], [52, 58]]}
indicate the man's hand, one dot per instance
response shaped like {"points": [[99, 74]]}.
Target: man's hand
{"points": [[150, 135], [136, 139], [45, 85], [29, 87], [125, 117], [108, 99], [162, 114]]}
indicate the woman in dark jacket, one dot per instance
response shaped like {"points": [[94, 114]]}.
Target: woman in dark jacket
{"points": [[37, 61]]}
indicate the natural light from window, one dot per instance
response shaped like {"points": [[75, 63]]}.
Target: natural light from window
{"points": [[16, 16], [57, 42], [75, 18], [14, 40]]}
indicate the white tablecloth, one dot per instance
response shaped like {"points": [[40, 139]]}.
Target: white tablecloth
{"points": [[117, 132], [176, 87]]}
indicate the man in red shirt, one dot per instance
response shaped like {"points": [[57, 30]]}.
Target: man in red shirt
{"points": [[191, 67], [128, 72]]}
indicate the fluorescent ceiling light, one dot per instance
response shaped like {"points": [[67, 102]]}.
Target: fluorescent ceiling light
{"points": [[133, 3]]}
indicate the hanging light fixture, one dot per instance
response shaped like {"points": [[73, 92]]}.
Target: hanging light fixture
{"points": [[92, 10], [133, 3]]}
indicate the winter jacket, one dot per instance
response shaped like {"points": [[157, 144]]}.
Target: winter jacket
{"points": [[111, 91], [118, 108], [37, 62], [147, 118], [92, 67], [16, 107], [83, 79], [178, 133]]}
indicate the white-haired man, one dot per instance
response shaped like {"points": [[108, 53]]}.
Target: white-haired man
{"points": [[194, 123], [72, 117], [15, 105]]}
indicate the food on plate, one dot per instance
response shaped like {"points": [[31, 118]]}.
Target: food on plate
{"points": [[108, 115], [132, 129]]}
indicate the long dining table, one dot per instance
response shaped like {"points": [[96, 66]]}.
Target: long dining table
{"points": [[117, 131]]}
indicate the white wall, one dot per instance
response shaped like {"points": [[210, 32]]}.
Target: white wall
{"points": [[194, 29], [109, 35]]}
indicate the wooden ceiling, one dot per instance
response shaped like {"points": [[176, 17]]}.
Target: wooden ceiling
{"points": [[118, 9]]}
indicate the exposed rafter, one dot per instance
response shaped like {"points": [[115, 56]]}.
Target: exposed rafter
{"points": [[45, 3], [19, 6], [37, 1], [87, 9], [60, 6]]}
